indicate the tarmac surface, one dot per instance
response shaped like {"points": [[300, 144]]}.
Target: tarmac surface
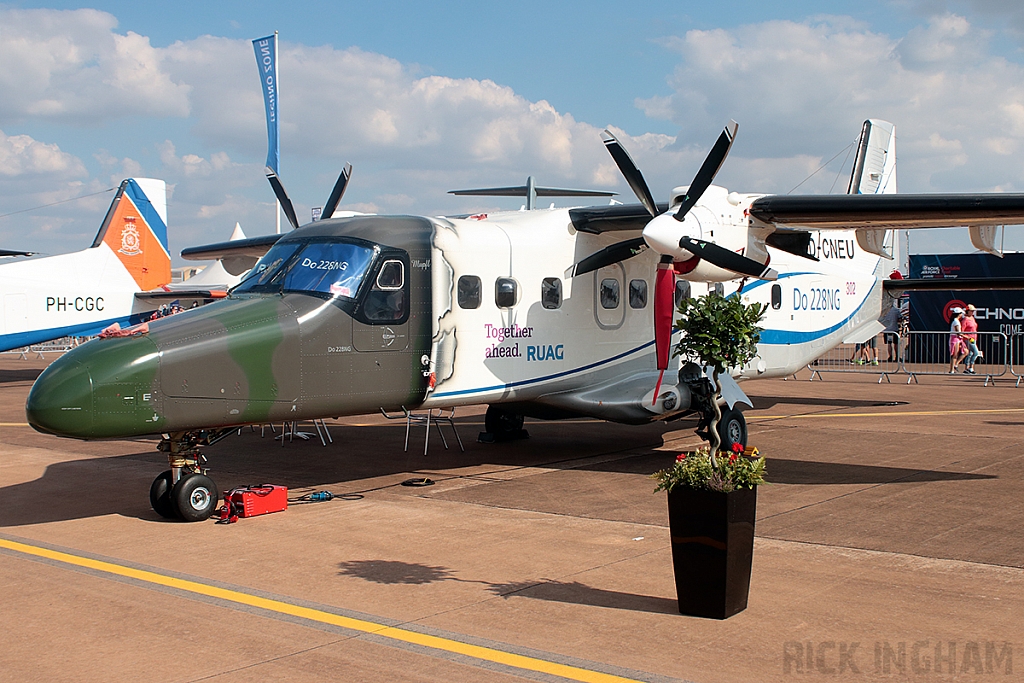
{"points": [[889, 547]]}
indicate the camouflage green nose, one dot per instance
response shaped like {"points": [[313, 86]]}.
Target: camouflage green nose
{"points": [[61, 400], [100, 390]]}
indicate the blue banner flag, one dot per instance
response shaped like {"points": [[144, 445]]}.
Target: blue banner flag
{"points": [[266, 59]]}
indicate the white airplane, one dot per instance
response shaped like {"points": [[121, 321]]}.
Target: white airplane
{"points": [[81, 293], [350, 315]]}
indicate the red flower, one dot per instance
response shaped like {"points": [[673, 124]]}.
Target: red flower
{"points": [[681, 457], [732, 458], [737, 448]]}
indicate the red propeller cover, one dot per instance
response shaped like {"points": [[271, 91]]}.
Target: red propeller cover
{"points": [[664, 303]]}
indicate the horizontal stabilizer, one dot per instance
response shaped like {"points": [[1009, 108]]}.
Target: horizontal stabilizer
{"points": [[953, 284]]}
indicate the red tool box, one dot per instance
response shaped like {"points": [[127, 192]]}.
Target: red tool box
{"points": [[251, 501]]}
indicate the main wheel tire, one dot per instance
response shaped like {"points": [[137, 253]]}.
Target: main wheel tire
{"points": [[194, 497], [160, 496], [732, 428], [500, 422]]}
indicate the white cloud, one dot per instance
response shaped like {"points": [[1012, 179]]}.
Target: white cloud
{"points": [[72, 66], [804, 88], [21, 155]]}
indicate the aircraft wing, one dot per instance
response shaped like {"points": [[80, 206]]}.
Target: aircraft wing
{"points": [[614, 218], [237, 256], [889, 211]]}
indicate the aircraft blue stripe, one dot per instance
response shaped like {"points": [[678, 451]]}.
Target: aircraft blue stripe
{"points": [[149, 214], [547, 377], [774, 337], [20, 339], [787, 337]]}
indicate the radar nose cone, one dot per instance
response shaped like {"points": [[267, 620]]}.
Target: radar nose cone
{"points": [[60, 401]]}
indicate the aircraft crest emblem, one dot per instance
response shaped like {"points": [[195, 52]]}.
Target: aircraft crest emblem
{"points": [[131, 243]]}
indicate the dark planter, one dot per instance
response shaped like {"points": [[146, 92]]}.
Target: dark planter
{"points": [[712, 548]]}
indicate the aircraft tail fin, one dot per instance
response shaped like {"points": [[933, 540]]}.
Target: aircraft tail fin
{"points": [[874, 169], [135, 229]]}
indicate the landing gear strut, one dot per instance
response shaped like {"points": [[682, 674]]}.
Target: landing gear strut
{"points": [[185, 491]]}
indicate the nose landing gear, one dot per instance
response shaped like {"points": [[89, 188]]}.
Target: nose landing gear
{"points": [[185, 491]]}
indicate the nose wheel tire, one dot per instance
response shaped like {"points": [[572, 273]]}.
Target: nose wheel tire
{"points": [[194, 497], [160, 496], [732, 428]]}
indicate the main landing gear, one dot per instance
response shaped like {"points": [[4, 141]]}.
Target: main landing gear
{"points": [[502, 425], [185, 492]]}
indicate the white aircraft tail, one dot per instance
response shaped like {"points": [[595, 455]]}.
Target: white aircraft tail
{"points": [[874, 169], [80, 293]]}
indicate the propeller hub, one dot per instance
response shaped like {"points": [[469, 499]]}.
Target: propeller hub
{"points": [[662, 234]]}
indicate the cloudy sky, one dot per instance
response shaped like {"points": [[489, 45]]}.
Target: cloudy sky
{"points": [[427, 97]]}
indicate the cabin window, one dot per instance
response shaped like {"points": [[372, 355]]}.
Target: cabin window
{"points": [[551, 292], [637, 293], [391, 275], [682, 291], [506, 292], [470, 291], [609, 293], [776, 296]]}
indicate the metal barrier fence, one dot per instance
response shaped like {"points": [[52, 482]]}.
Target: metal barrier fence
{"points": [[875, 356], [922, 353], [62, 345], [928, 353]]}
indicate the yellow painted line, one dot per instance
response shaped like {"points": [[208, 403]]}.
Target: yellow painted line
{"points": [[893, 414], [13, 424], [486, 654]]}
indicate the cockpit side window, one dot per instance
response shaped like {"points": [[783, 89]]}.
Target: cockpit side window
{"points": [[391, 275], [387, 300]]}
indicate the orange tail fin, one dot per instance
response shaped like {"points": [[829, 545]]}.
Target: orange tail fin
{"points": [[135, 229]]}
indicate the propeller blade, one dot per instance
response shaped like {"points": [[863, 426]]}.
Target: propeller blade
{"points": [[282, 196], [620, 251], [664, 305], [708, 170], [338, 192], [729, 260], [630, 172]]}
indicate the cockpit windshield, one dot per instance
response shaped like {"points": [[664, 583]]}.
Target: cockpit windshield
{"points": [[328, 269]]}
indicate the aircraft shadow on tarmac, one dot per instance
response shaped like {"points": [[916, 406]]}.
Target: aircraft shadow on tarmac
{"points": [[19, 375], [783, 471], [368, 458], [392, 572], [96, 486]]}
